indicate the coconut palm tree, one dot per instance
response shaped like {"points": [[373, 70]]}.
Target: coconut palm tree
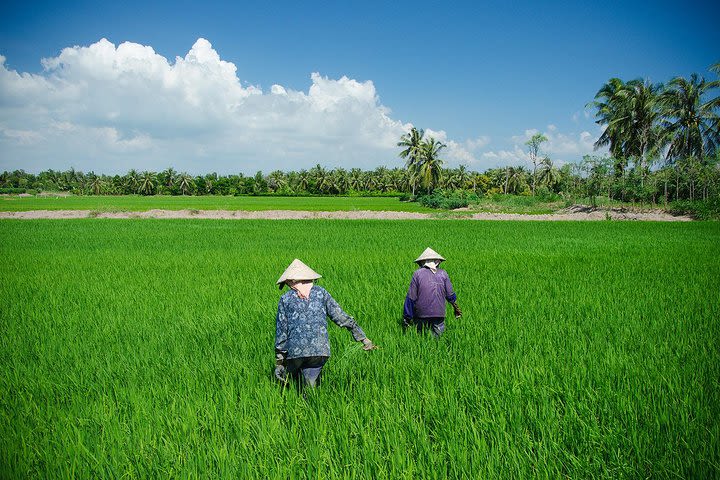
{"points": [[631, 113], [463, 176], [96, 184], [169, 177], [515, 180], [304, 180], [430, 170], [322, 178], [132, 184], [339, 179], [355, 179], [147, 183], [412, 142], [276, 180], [186, 183], [690, 120], [549, 175], [610, 107]]}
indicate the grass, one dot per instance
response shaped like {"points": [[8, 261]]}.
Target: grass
{"points": [[134, 203], [517, 204], [144, 349]]}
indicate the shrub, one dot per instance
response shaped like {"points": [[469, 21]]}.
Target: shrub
{"points": [[708, 209], [448, 200]]}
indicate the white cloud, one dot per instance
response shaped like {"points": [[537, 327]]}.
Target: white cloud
{"points": [[108, 108], [460, 153], [561, 147]]}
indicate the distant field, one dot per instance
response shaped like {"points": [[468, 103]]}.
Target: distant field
{"points": [[144, 348], [134, 203]]}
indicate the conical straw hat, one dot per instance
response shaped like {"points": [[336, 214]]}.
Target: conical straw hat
{"points": [[297, 271], [429, 254]]}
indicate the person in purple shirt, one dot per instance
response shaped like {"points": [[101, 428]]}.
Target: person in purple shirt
{"points": [[430, 288]]}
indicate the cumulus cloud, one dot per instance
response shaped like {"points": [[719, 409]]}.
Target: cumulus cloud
{"points": [[561, 147], [460, 153], [109, 108]]}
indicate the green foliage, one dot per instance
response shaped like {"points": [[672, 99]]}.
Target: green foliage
{"points": [[541, 204], [448, 200], [700, 209], [144, 349], [11, 190]]}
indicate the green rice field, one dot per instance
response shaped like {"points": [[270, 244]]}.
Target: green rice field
{"points": [[144, 349], [135, 203]]}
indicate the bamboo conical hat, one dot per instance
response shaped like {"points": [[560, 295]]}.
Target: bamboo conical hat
{"points": [[297, 271], [429, 254]]}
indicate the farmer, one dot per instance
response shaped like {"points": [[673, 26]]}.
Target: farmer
{"points": [[429, 288], [301, 338]]}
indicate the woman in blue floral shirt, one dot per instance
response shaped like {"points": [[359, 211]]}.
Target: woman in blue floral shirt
{"points": [[302, 345]]}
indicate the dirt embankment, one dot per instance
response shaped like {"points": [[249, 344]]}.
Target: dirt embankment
{"points": [[570, 214]]}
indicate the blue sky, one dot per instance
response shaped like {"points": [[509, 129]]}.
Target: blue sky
{"points": [[480, 76]]}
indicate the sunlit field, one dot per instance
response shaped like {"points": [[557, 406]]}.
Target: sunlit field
{"points": [[144, 349], [134, 203]]}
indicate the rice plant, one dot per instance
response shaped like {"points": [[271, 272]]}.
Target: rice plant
{"points": [[144, 349]]}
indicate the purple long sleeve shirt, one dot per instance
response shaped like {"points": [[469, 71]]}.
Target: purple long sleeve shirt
{"points": [[427, 294]]}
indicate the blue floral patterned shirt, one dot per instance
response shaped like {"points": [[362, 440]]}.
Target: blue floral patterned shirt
{"points": [[301, 324]]}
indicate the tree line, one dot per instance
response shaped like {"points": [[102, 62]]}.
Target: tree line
{"points": [[594, 176], [663, 142]]}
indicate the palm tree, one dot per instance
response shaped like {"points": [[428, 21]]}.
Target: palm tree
{"points": [[690, 122], [147, 183], [340, 180], [631, 113], [413, 146], [369, 181], [186, 183], [168, 177], [549, 175], [355, 180], [610, 107], [96, 185], [304, 180], [133, 181], [515, 180], [322, 179], [276, 180], [463, 176], [430, 170], [451, 180]]}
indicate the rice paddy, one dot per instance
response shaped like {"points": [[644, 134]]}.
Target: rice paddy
{"points": [[134, 203], [144, 349]]}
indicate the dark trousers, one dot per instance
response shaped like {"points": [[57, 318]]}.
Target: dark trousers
{"points": [[306, 369], [435, 324]]}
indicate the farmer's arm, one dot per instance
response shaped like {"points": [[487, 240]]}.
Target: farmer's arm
{"points": [[410, 298], [281, 329], [449, 292], [342, 319], [451, 297]]}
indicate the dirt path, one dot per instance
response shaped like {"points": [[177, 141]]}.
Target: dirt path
{"points": [[572, 214]]}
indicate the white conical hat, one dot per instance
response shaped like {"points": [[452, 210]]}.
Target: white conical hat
{"points": [[429, 254], [297, 271]]}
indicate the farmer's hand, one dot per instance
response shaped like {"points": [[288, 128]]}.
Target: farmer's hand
{"points": [[280, 373], [279, 360], [458, 312], [368, 344]]}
